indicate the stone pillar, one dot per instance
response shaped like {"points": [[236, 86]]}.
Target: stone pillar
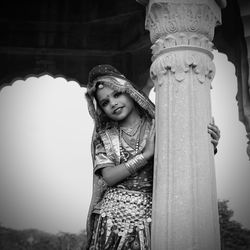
{"points": [[185, 211]]}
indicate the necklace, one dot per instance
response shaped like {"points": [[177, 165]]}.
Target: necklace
{"points": [[132, 130], [123, 152]]}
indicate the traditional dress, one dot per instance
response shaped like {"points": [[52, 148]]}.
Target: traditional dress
{"points": [[120, 215]]}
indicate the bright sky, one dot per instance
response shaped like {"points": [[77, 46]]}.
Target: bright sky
{"points": [[232, 162], [45, 164]]}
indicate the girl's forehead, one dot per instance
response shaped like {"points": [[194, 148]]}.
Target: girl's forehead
{"points": [[101, 86], [103, 91]]}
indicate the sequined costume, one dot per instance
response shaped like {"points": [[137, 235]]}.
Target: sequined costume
{"points": [[119, 216]]}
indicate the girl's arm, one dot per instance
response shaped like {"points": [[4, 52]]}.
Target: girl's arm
{"points": [[115, 174]]}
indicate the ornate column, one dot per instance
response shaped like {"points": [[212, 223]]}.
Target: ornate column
{"points": [[185, 212]]}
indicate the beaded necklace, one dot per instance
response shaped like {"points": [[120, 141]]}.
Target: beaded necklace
{"points": [[123, 152], [131, 131]]}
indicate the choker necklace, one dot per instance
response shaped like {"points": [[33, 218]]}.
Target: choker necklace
{"points": [[131, 131]]}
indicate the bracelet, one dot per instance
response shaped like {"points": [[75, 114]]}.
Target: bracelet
{"points": [[134, 164]]}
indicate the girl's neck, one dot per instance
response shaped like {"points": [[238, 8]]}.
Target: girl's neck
{"points": [[131, 120]]}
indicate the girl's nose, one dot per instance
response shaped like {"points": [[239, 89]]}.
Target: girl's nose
{"points": [[113, 102]]}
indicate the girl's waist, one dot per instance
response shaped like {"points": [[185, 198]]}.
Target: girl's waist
{"points": [[127, 210], [141, 182], [121, 195], [119, 199], [120, 192]]}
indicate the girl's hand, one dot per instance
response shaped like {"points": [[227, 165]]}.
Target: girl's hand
{"points": [[149, 148], [214, 131]]}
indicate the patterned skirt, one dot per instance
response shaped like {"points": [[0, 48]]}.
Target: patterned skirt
{"points": [[124, 221]]}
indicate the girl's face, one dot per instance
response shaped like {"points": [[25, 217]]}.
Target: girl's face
{"points": [[116, 105]]}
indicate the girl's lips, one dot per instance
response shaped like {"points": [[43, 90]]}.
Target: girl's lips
{"points": [[118, 110]]}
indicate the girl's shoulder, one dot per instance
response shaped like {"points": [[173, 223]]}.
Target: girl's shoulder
{"points": [[107, 136], [149, 120], [108, 131], [109, 139]]}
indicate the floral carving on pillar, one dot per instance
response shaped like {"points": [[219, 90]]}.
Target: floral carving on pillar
{"points": [[166, 17]]}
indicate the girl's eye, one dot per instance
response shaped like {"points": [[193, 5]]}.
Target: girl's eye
{"points": [[104, 103], [117, 94]]}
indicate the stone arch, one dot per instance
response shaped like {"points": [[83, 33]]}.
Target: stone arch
{"points": [[42, 124], [232, 39], [26, 76]]}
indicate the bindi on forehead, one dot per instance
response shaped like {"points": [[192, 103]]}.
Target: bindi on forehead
{"points": [[104, 93]]}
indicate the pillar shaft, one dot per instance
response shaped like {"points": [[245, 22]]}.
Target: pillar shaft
{"points": [[185, 211]]}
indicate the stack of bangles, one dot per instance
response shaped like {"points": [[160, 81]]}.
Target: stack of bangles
{"points": [[134, 164]]}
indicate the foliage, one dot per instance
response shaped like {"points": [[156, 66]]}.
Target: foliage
{"points": [[233, 235], [38, 240]]}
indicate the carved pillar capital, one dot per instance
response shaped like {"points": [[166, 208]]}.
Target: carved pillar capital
{"points": [[181, 32], [165, 17]]}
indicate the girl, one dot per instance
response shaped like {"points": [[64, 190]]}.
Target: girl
{"points": [[122, 150]]}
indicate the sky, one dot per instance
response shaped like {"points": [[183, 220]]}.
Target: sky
{"points": [[232, 162], [45, 162]]}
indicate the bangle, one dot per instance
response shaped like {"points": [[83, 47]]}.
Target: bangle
{"points": [[134, 164]]}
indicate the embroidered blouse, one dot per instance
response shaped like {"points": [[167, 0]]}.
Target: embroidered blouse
{"points": [[107, 153]]}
